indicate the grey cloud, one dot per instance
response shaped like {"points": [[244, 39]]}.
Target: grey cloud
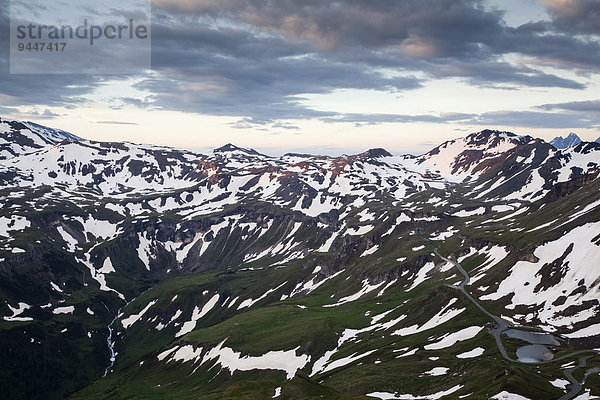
{"points": [[425, 29], [237, 73], [507, 118], [61, 90], [445, 24], [46, 114], [116, 123], [371, 119], [581, 16], [35, 113], [534, 119], [498, 73], [592, 106], [226, 69], [266, 124], [9, 110], [254, 59], [559, 48]]}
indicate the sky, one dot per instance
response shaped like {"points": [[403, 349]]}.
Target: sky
{"points": [[333, 77]]}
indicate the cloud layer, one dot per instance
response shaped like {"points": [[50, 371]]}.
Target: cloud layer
{"points": [[256, 59]]}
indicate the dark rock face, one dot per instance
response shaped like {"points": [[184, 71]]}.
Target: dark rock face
{"points": [[378, 152], [566, 142], [563, 189]]}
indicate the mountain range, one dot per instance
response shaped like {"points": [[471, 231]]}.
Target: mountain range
{"points": [[139, 271]]}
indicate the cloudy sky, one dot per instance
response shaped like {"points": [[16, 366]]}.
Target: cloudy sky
{"points": [[334, 76]]}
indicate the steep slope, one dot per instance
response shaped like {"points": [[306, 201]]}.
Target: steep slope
{"points": [[17, 138], [465, 159], [237, 274], [353, 336]]}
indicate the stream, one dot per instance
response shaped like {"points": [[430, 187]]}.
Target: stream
{"points": [[111, 344], [109, 340]]}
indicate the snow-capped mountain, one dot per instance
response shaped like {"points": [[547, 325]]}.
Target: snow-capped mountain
{"points": [[301, 276], [17, 138], [566, 142]]}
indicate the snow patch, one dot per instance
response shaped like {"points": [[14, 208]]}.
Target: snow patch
{"points": [[453, 338], [288, 361], [132, 319], [476, 352], [107, 267], [433, 396], [196, 315], [437, 371], [20, 309], [64, 310]]}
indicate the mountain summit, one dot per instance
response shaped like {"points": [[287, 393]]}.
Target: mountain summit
{"points": [[562, 143], [231, 148]]}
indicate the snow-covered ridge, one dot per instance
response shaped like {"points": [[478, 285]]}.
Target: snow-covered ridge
{"points": [[18, 138], [306, 183], [461, 159]]}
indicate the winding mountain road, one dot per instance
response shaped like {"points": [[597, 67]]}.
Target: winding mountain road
{"points": [[575, 384], [502, 325]]}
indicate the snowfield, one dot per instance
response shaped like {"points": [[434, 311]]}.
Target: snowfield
{"points": [[523, 284], [433, 396], [287, 361]]}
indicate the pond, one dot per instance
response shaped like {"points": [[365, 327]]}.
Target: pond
{"points": [[538, 350], [534, 353], [533, 337]]}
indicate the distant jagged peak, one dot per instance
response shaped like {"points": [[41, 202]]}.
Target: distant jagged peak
{"points": [[562, 143]]}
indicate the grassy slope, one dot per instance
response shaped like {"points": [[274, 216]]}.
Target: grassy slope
{"points": [[278, 325], [274, 325]]}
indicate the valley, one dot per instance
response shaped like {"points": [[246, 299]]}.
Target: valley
{"points": [[134, 271]]}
